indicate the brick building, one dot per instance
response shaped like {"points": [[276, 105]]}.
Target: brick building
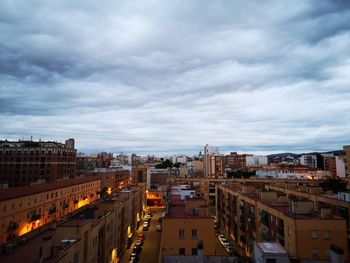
{"points": [[27, 162]]}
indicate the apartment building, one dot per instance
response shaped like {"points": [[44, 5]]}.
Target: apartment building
{"points": [[188, 232], [312, 160], [335, 165], [112, 178], [213, 163], [26, 162], [254, 160], [305, 228], [139, 173], [346, 159], [99, 232], [198, 170], [24, 209], [290, 172], [235, 160]]}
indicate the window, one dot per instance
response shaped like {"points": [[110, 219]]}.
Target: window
{"points": [[328, 252], [315, 252], [194, 234], [194, 251], [327, 234], [182, 234], [182, 251], [314, 234], [76, 257]]}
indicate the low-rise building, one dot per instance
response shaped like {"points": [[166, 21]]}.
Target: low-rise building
{"points": [[188, 233]]}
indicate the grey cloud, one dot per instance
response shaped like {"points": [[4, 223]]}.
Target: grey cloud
{"points": [[162, 76]]}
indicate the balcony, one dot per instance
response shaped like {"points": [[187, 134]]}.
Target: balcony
{"points": [[12, 226], [35, 217], [52, 210]]}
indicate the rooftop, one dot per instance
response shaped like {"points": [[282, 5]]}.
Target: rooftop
{"points": [[29, 252], [271, 247], [11, 193]]}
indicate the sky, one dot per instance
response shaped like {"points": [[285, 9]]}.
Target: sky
{"points": [[172, 76]]}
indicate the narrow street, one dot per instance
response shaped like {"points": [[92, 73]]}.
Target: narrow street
{"points": [[150, 248]]}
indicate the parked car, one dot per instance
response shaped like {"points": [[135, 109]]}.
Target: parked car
{"points": [[137, 249], [133, 257], [141, 237], [139, 243], [229, 249]]}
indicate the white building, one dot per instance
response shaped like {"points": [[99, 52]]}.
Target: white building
{"points": [[309, 160], [265, 252], [340, 166], [184, 191], [290, 174], [254, 160]]}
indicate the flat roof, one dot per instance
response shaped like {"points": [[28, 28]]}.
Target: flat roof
{"points": [[271, 247], [11, 193], [29, 252], [73, 222], [177, 211]]}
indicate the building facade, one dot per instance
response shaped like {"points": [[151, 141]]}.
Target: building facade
{"points": [[27, 162], [306, 229], [26, 208], [346, 159]]}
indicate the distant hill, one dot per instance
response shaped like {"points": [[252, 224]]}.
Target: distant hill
{"points": [[298, 155]]}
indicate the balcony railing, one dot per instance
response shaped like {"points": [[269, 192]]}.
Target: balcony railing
{"points": [[12, 226], [35, 217], [52, 210]]}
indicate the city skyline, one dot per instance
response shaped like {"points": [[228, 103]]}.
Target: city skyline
{"points": [[170, 77]]}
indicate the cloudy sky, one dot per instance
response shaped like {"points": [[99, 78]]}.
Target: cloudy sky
{"points": [[171, 76]]}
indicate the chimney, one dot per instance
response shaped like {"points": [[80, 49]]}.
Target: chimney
{"points": [[46, 249]]}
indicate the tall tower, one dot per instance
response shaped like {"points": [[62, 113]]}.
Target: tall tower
{"points": [[206, 160], [70, 143]]}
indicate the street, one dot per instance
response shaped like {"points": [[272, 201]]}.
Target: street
{"points": [[150, 248]]}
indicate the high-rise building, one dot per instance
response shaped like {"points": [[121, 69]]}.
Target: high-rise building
{"points": [[213, 163], [27, 162], [346, 159], [335, 165], [312, 160]]}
